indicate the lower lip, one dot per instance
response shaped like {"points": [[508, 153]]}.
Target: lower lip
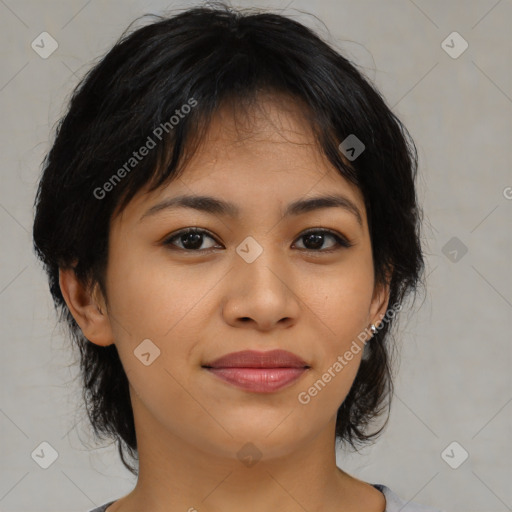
{"points": [[259, 380]]}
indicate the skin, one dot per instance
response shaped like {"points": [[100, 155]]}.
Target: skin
{"points": [[197, 306]]}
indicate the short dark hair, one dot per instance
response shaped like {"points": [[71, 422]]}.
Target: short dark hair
{"points": [[203, 57]]}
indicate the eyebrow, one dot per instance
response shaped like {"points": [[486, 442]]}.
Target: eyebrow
{"points": [[217, 206]]}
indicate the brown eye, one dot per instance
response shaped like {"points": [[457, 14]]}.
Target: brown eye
{"points": [[191, 239], [315, 239]]}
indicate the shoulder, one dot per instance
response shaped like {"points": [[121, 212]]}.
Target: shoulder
{"points": [[101, 508], [393, 503], [396, 504]]}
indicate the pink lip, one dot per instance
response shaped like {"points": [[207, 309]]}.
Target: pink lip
{"points": [[262, 372]]}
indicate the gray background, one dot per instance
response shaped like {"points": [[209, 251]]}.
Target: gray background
{"points": [[454, 381]]}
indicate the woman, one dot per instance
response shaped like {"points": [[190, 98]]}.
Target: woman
{"points": [[229, 224]]}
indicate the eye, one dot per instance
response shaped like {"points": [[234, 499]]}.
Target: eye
{"points": [[190, 238], [315, 239]]}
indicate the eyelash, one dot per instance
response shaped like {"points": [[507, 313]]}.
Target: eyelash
{"points": [[341, 241]]}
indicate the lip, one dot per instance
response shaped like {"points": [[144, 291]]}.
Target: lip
{"points": [[256, 359], [261, 372]]}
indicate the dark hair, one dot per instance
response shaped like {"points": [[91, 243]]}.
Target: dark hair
{"points": [[202, 58]]}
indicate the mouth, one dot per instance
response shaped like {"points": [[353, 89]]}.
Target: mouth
{"points": [[260, 372]]}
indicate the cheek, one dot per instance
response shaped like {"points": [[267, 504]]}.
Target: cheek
{"points": [[328, 385], [151, 298], [342, 302], [340, 308], [342, 305], [153, 301]]}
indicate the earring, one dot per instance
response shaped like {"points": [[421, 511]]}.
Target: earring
{"points": [[373, 329]]}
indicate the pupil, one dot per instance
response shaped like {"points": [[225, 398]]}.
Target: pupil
{"points": [[317, 240], [196, 240]]}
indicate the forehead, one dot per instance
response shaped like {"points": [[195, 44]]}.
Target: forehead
{"points": [[271, 124], [262, 151]]}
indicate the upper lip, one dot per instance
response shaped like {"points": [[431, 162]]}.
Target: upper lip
{"points": [[255, 359]]}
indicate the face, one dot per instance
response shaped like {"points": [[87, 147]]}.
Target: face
{"points": [[250, 278]]}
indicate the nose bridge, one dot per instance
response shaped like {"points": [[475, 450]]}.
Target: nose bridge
{"points": [[260, 289], [262, 256], [260, 261]]}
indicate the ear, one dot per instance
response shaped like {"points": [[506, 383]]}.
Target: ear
{"points": [[88, 308], [380, 301]]}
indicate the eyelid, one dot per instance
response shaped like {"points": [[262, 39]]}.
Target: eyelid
{"points": [[342, 239], [343, 242], [192, 229]]}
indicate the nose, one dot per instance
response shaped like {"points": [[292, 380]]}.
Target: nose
{"points": [[260, 295]]}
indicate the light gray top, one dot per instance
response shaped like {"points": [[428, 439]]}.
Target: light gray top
{"points": [[393, 503]]}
